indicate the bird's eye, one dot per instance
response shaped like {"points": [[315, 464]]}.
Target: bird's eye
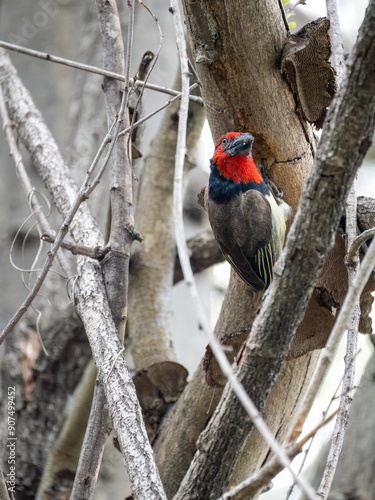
{"points": [[224, 141]]}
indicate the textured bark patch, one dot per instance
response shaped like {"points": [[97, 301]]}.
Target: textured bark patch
{"points": [[158, 386], [305, 64], [233, 343]]}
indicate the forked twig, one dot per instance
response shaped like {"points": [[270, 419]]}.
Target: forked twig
{"points": [[94, 253], [160, 108]]}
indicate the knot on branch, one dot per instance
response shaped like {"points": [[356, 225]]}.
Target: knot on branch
{"points": [[134, 234]]}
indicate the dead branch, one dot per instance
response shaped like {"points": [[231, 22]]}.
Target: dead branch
{"points": [[94, 253]]}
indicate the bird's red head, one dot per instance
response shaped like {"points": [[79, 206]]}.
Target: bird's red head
{"points": [[232, 158]]}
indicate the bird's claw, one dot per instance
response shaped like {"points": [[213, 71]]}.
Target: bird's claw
{"points": [[276, 192]]}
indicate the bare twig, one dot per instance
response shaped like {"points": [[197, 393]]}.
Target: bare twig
{"points": [[358, 242], [283, 13], [352, 268], [297, 429], [160, 108], [25, 180], [94, 253], [348, 381], [83, 194], [150, 69], [251, 485], [92, 69], [185, 262], [339, 328]]}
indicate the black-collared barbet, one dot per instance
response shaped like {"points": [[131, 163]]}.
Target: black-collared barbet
{"points": [[246, 220]]}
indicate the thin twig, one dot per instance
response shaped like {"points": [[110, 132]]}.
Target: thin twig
{"points": [[351, 349], [283, 13], [83, 194], [251, 485], [353, 270], [93, 69], [150, 69], [4, 495], [358, 242], [94, 253], [163, 106], [26, 182], [185, 261], [339, 328]]}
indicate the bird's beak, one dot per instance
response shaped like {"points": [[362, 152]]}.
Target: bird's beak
{"points": [[242, 145]]}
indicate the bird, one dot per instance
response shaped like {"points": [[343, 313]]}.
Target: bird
{"points": [[245, 218]]}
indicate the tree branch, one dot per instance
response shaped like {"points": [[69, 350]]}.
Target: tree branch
{"points": [[358, 242], [352, 269], [113, 373], [252, 485], [116, 262], [92, 69], [119, 389]]}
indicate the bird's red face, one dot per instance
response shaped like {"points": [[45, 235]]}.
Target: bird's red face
{"points": [[232, 158]]}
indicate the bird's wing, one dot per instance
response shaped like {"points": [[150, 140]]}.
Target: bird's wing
{"points": [[262, 263], [243, 266], [247, 246], [257, 242]]}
